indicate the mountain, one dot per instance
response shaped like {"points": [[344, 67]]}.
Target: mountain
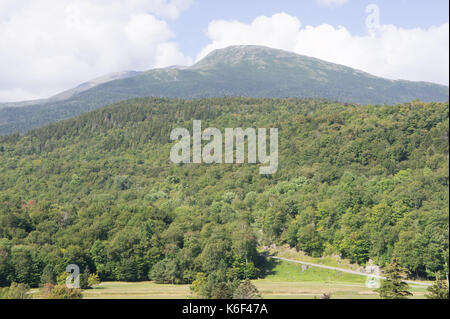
{"points": [[80, 88], [251, 71], [99, 190]]}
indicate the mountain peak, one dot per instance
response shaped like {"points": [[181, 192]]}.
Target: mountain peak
{"points": [[250, 50], [240, 53], [263, 57], [240, 70]]}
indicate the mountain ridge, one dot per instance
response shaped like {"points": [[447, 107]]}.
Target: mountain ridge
{"points": [[252, 71], [66, 94]]}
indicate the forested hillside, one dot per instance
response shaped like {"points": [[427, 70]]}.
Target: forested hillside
{"points": [[99, 190], [248, 71]]}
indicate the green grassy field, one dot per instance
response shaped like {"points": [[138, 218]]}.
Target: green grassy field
{"points": [[291, 253], [285, 280]]}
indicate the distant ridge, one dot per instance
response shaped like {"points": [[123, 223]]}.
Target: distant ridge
{"points": [[252, 71], [78, 89]]}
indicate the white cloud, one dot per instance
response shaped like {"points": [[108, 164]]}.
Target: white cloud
{"points": [[49, 46], [392, 52], [330, 3]]}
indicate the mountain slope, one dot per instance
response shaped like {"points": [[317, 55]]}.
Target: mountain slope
{"points": [[100, 190], [252, 71], [65, 95]]}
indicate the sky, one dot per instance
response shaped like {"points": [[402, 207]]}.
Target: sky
{"points": [[47, 46]]}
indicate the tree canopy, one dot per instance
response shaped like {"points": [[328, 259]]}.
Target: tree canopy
{"points": [[100, 191]]}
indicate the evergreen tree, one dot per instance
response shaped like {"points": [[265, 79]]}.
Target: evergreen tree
{"points": [[84, 279], [48, 275], [394, 287], [439, 289], [246, 290]]}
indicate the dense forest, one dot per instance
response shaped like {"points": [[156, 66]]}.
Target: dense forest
{"points": [[99, 190]]}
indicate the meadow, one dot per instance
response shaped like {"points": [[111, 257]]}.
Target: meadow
{"points": [[285, 280]]}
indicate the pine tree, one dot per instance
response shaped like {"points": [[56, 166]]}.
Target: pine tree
{"points": [[439, 289], [246, 290], [84, 279], [394, 287], [48, 275]]}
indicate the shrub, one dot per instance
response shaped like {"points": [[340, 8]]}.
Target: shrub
{"points": [[93, 280], [15, 291], [60, 292]]}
